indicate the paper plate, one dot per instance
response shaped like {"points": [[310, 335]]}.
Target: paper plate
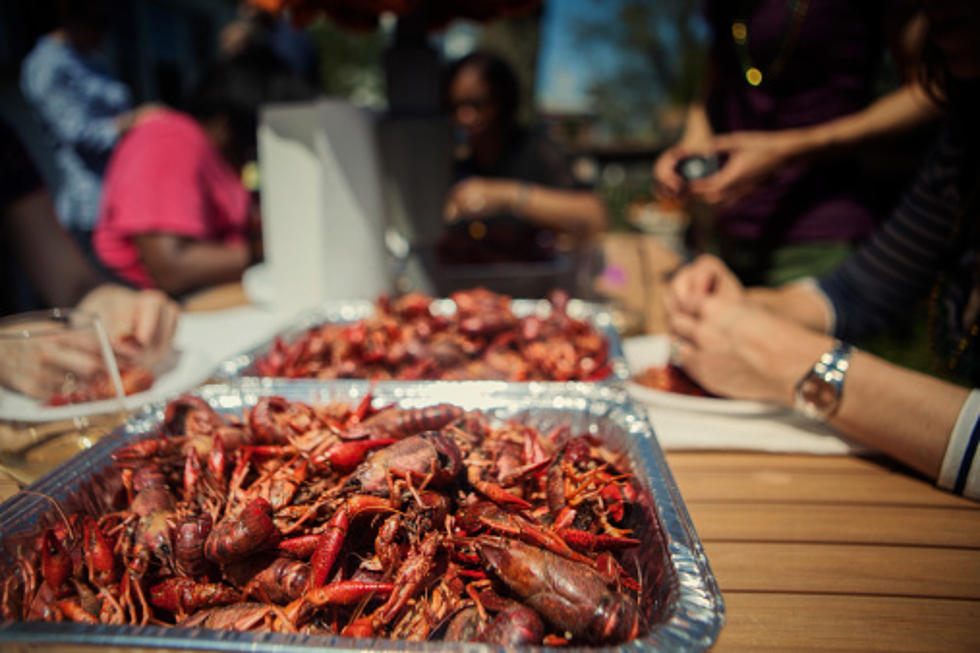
{"points": [[642, 352], [187, 369]]}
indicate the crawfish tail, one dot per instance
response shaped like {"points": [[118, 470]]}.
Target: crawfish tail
{"points": [[571, 595], [180, 594]]}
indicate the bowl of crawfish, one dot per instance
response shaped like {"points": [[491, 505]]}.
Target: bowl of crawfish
{"points": [[281, 514]]}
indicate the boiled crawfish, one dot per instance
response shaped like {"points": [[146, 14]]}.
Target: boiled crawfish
{"points": [[431, 522]]}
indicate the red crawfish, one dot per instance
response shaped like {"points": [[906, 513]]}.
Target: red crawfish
{"points": [[190, 415], [233, 539], [345, 456], [332, 539], [411, 575], [430, 457], [183, 595], [395, 422], [574, 597], [515, 625], [191, 534], [268, 578], [266, 423], [241, 617]]}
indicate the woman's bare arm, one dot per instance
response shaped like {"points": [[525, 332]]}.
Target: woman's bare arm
{"points": [[179, 265]]}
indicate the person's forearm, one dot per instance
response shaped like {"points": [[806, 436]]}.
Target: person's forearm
{"points": [[192, 264], [906, 414], [577, 212], [898, 111], [902, 413], [697, 127], [799, 302], [93, 134]]}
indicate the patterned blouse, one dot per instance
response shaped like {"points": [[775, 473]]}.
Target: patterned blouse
{"points": [[77, 102]]}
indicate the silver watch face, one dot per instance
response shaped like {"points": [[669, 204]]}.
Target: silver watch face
{"points": [[817, 396]]}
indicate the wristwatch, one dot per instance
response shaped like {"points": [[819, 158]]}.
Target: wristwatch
{"points": [[818, 393]]}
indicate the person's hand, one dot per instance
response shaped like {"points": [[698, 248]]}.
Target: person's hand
{"points": [[707, 275], [479, 197], [752, 158], [740, 350], [667, 183], [140, 324], [40, 367]]}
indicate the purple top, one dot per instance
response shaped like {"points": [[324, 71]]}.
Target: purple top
{"points": [[827, 71]]}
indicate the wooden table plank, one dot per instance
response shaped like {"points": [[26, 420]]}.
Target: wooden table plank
{"points": [[854, 524], [750, 460], [845, 569], [777, 622], [789, 486]]}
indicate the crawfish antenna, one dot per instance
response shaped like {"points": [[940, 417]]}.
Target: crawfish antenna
{"points": [[57, 505]]}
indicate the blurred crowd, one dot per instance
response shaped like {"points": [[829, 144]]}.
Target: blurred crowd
{"points": [[804, 256]]}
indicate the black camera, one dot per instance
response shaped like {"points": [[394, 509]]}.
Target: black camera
{"points": [[698, 166]]}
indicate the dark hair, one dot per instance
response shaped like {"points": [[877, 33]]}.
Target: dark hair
{"points": [[498, 75], [236, 87]]}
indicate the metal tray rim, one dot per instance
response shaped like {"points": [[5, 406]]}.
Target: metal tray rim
{"points": [[692, 624]]}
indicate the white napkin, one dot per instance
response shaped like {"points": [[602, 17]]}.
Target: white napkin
{"points": [[783, 433], [225, 333]]}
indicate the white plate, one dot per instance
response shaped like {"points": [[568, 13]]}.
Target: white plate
{"points": [[642, 352], [186, 369]]}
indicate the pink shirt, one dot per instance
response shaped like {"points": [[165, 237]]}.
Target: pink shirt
{"points": [[166, 176]]}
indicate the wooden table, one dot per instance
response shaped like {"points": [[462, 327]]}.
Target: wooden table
{"points": [[834, 553]]}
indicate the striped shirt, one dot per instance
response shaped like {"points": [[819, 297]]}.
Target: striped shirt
{"points": [[900, 265]]}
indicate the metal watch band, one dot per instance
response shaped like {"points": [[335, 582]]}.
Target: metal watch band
{"points": [[829, 370]]}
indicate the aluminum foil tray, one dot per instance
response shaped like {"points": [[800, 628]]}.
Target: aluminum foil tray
{"points": [[681, 602], [351, 311]]}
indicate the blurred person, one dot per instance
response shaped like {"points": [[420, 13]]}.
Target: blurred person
{"points": [[512, 180], [788, 101], [81, 107], [38, 251], [759, 343], [175, 214], [257, 27]]}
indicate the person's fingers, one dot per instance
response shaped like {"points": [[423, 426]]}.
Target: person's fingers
{"points": [[693, 287], [665, 174], [149, 318], [683, 325], [715, 184], [81, 362], [127, 351], [670, 301], [42, 382], [667, 182], [171, 316], [682, 353], [714, 191]]}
